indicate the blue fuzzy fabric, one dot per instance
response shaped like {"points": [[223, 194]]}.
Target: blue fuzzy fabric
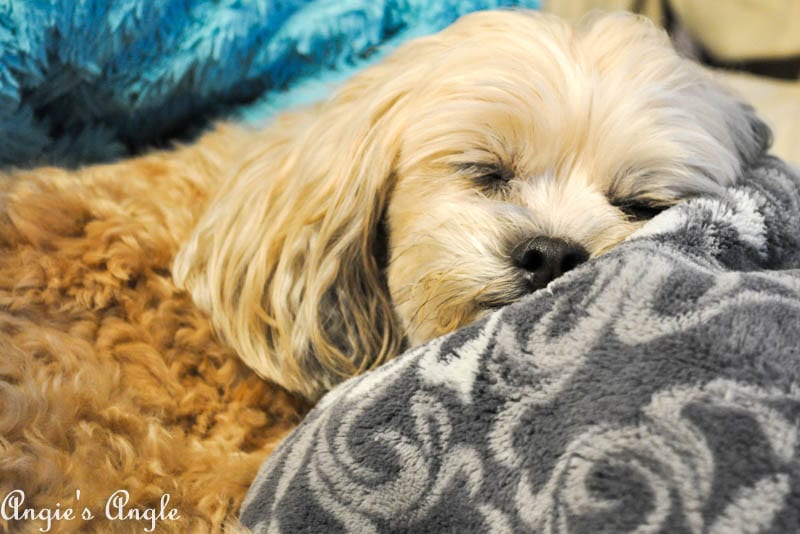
{"points": [[90, 80]]}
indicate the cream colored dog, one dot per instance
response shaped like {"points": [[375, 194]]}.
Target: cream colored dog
{"points": [[464, 172]]}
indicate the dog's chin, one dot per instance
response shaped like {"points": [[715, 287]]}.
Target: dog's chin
{"points": [[509, 292], [525, 284], [440, 310]]}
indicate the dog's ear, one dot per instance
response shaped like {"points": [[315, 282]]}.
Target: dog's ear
{"points": [[752, 137], [284, 259], [727, 135], [727, 117]]}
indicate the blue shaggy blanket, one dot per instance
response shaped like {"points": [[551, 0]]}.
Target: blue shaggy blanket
{"points": [[90, 80]]}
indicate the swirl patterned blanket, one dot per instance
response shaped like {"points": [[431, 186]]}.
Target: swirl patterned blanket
{"points": [[655, 388]]}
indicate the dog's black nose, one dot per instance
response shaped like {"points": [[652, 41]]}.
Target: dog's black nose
{"points": [[547, 258]]}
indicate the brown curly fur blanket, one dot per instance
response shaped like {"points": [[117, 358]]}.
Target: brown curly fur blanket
{"points": [[110, 378]]}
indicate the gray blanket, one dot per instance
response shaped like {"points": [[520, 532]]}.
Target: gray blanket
{"points": [[652, 390]]}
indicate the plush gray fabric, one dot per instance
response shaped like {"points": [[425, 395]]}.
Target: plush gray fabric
{"points": [[655, 388]]}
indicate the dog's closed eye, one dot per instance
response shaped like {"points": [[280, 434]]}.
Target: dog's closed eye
{"points": [[638, 209], [487, 177]]}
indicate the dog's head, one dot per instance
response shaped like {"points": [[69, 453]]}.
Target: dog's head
{"points": [[464, 172]]}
